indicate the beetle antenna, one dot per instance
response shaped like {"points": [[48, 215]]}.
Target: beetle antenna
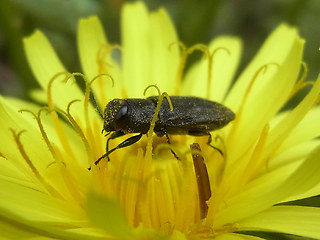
{"points": [[92, 97], [95, 104]]}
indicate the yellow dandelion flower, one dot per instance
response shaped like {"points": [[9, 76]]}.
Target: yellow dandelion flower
{"points": [[268, 157]]}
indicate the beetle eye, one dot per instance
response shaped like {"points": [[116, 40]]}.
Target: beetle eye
{"points": [[121, 113]]}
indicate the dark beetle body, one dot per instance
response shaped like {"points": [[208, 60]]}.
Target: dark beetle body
{"points": [[190, 115]]}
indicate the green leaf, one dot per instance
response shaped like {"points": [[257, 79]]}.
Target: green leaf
{"points": [[106, 213]]}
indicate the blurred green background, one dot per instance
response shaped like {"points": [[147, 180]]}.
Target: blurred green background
{"points": [[196, 22]]}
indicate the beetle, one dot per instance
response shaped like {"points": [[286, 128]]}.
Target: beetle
{"points": [[190, 116]]}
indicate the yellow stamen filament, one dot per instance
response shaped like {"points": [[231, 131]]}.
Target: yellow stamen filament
{"points": [[86, 95], [34, 170], [186, 200], [43, 133], [256, 163], [67, 175], [78, 129], [215, 203], [89, 127], [56, 122], [301, 83], [183, 59], [88, 87], [103, 66], [235, 123], [155, 116], [210, 65], [103, 54], [209, 55], [283, 128]]}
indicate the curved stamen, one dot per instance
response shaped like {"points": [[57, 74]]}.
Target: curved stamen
{"points": [[42, 131], [255, 162], [301, 83], [184, 54], [210, 56], [182, 65], [155, 116], [89, 129], [261, 70], [76, 127], [103, 65], [88, 88], [210, 65], [164, 93], [34, 170], [150, 86], [56, 122], [103, 53]]}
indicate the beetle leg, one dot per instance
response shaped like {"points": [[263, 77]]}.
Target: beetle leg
{"points": [[168, 141], [209, 143], [125, 143], [199, 133], [114, 135]]}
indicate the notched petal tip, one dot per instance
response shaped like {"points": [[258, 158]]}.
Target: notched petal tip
{"points": [[34, 35], [91, 19], [42, 58]]}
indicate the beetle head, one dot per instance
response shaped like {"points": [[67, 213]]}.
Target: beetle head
{"points": [[115, 115]]}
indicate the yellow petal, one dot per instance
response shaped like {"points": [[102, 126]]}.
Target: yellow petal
{"points": [[11, 231], [40, 169], [91, 39], [293, 154], [256, 199], [276, 49], [94, 51], [314, 191], [46, 120], [35, 205], [19, 227], [146, 56], [38, 95], [165, 60], [307, 129], [301, 221], [281, 131], [45, 64], [268, 93], [25, 121], [11, 119], [135, 55]]}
